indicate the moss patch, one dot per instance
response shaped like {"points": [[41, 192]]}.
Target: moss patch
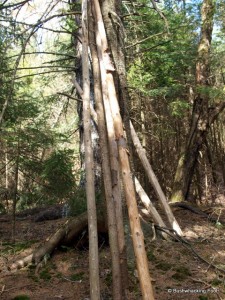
{"points": [[77, 276], [45, 275], [21, 297], [181, 273], [216, 282], [151, 256], [11, 248], [164, 266]]}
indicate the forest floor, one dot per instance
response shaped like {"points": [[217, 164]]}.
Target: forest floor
{"points": [[176, 271]]}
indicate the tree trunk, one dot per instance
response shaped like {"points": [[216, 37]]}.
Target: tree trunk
{"points": [[6, 177], [89, 164], [177, 194], [111, 11], [15, 192], [200, 113], [78, 84]]}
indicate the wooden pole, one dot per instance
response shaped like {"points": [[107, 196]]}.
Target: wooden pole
{"points": [[148, 204], [110, 168], [154, 181], [137, 234], [136, 231], [89, 165]]}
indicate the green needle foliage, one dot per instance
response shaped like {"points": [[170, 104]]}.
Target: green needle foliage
{"points": [[58, 175]]}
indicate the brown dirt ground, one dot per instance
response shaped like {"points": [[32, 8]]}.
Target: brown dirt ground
{"points": [[176, 272]]}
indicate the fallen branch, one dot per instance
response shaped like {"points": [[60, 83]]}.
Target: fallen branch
{"points": [[188, 246], [196, 210], [64, 235]]}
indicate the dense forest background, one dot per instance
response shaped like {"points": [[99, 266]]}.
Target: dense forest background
{"points": [[175, 87], [39, 119]]}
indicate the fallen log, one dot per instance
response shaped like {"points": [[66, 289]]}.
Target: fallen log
{"points": [[68, 234], [196, 210], [50, 213], [37, 214], [63, 236]]}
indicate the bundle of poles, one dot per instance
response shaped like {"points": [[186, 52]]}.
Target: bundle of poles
{"points": [[115, 163]]}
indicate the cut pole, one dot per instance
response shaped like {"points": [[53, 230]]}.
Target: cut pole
{"points": [[148, 204], [136, 231], [110, 169], [150, 209], [129, 189], [89, 165], [154, 181]]}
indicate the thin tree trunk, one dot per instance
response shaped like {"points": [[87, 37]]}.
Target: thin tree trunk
{"points": [[89, 165], [110, 10], [7, 177], [198, 184], [221, 151], [117, 290], [201, 119], [15, 194], [136, 231], [143, 129], [210, 160], [177, 194], [200, 114], [115, 31]]}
